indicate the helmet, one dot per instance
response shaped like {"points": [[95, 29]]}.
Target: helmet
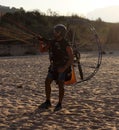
{"points": [[60, 28]]}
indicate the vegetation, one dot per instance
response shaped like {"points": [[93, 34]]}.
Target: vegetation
{"points": [[41, 23]]}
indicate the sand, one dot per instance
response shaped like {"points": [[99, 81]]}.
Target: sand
{"points": [[90, 105]]}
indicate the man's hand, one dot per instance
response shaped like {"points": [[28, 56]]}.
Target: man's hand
{"points": [[39, 37], [61, 70]]}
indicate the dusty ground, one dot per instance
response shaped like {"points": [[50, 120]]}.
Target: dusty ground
{"points": [[90, 105]]}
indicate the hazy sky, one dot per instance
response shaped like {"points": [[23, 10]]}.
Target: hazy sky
{"points": [[65, 7]]}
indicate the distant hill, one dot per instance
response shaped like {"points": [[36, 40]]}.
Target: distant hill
{"points": [[42, 24], [5, 9], [108, 14]]}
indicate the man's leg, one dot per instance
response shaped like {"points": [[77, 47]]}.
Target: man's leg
{"points": [[61, 95], [61, 91], [61, 78], [47, 103], [48, 82]]}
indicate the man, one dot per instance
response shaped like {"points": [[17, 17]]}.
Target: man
{"points": [[61, 59]]}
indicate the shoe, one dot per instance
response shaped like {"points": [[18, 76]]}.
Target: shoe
{"points": [[45, 105], [58, 107]]}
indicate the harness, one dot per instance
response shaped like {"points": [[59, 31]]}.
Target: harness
{"points": [[58, 58], [57, 52]]}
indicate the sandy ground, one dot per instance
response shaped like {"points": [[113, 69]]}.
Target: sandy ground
{"points": [[90, 105]]}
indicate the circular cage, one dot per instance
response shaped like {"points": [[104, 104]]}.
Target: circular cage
{"points": [[86, 47]]}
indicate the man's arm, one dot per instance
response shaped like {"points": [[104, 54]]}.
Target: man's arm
{"points": [[71, 57], [44, 44]]}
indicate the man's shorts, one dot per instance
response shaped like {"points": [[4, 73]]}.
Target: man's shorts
{"points": [[56, 76], [53, 74]]}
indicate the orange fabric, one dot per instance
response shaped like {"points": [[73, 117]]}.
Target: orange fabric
{"points": [[42, 47], [73, 78]]}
